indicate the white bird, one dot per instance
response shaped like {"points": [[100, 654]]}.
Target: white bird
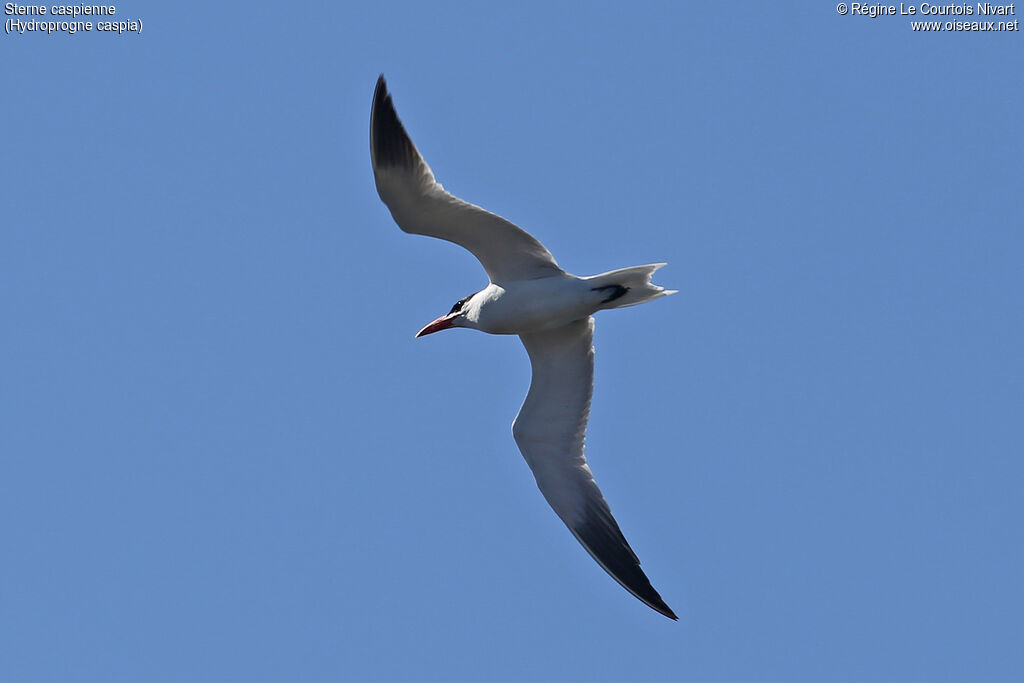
{"points": [[549, 309]]}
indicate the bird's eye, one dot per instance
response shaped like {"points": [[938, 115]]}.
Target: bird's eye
{"points": [[458, 304]]}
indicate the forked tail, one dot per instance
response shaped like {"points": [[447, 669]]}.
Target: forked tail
{"points": [[628, 286]]}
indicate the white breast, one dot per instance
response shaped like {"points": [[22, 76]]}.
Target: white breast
{"points": [[533, 305]]}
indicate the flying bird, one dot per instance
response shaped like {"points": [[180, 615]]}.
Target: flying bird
{"points": [[551, 311]]}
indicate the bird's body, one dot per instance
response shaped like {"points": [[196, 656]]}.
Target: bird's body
{"points": [[524, 306], [512, 308], [550, 309]]}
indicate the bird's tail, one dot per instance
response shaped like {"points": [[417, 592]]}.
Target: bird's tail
{"points": [[628, 286]]}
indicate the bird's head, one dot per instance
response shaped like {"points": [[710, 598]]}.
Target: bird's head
{"points": [[457, 317]]}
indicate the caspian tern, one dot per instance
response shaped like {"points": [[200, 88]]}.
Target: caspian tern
{"points": [[549, 309]]}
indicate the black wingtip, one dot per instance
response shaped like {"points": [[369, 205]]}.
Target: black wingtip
{"points": [[601, 536], [389, 143]]}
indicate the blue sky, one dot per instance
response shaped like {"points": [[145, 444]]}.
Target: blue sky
{"points": [[223, 456]]}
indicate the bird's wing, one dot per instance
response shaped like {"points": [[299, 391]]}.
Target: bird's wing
{"points": [[420, 205], [550, 431]]}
